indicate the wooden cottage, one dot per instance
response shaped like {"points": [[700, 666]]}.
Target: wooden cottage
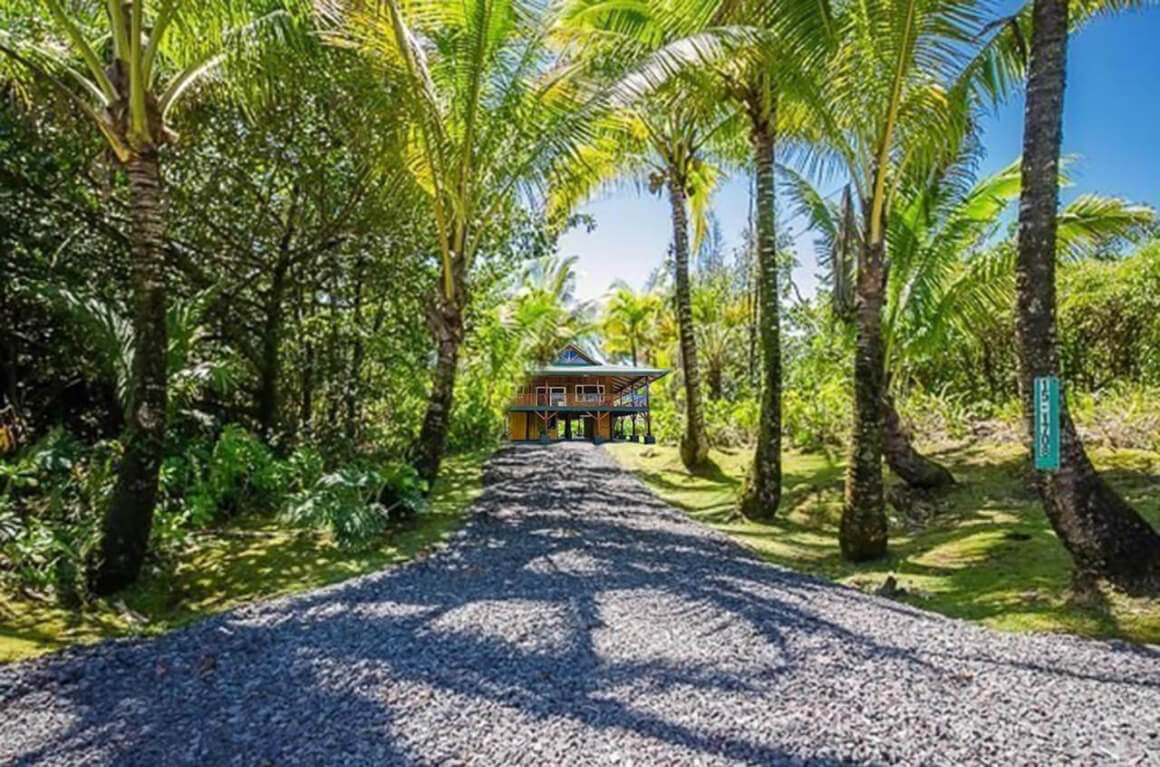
{"points": [[578, 397]]}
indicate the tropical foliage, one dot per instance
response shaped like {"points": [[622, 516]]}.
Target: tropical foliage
{"points": [[276, 258]]}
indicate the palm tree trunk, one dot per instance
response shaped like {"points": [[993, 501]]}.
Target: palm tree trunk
{"points": [[752, 288], [1106, 537], [914, 468], [763, 489], [716, 379], [446, 322], [862, 533], [694, 443], [129, 518]]}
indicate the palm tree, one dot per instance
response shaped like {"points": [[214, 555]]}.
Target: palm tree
{"points": [[754, 71], [1105, 535], [629, 324], [492, 112], [544, 312], [946, 280], [670, 126], [776, 69], [901, 94], [126, 65], [678, 143], [721, 318]]}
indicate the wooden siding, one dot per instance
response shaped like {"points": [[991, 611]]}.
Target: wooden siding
{"points": [[524, 425], [527, 396], [569, 383], [518, 421]]}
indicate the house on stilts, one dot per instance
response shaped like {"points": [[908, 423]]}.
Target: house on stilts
{"points": [[579, 397]]}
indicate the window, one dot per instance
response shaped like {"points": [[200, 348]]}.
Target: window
{"points": [[570, 357], [589, 392], [553, 396]]}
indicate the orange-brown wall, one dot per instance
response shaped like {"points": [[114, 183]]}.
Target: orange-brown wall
{"points": [[570, 383], [517, 421]]}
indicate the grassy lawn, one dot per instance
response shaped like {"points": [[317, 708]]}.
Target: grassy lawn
{"points": [[251, 560], [986, 553]]}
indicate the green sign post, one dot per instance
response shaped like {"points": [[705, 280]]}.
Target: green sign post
{"points": [[1047, 423]]}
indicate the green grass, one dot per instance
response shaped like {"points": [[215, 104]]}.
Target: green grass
{"points": [[247, 561], [987, 554]]}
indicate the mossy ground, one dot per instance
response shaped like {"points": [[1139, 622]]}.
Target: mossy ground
{"points": [[987, 554], [249, 560]]}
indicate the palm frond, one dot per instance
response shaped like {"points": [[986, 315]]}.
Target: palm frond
{"points": [[1090, 222]]}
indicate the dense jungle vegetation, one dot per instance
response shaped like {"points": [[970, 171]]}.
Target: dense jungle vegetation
{"points": [[266, 264]]}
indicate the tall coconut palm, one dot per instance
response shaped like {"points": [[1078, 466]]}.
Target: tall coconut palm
{"points": [[1105, 535], [780, 67], [773, 59], [902, 90], [492, 111], [678, 143], [126, 65], [670, 127]]}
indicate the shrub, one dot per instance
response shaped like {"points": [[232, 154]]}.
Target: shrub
{"points": [[937, 416], [240, 473], [474, 422], [50, 496], [668, 420], [1124, 416], [358, 504], [1109, 320], [817, 420], [731, 423]]}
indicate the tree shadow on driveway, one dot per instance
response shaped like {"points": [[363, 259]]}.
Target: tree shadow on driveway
{"points": [[575, 619]]}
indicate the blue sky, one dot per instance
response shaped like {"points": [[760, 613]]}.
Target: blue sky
{"points": [[1111, 122]]}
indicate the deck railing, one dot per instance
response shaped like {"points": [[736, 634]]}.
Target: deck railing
{"points": [[571, 399]]}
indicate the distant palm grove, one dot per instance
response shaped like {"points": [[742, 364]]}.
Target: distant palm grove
{"points": [[279, 259]]}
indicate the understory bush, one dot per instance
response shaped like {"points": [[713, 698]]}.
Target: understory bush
{"points": [[357, 504], [53, 494], [211, 480], [938, 416], [50, 496], [817, 420], [1123, 416], [1109, 320], [731, 423], [668, 420]]}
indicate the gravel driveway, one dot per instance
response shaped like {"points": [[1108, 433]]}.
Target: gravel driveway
{"points": [[578, 620]]}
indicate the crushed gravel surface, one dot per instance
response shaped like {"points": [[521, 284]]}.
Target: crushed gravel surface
{"points": [[576, 619]]}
